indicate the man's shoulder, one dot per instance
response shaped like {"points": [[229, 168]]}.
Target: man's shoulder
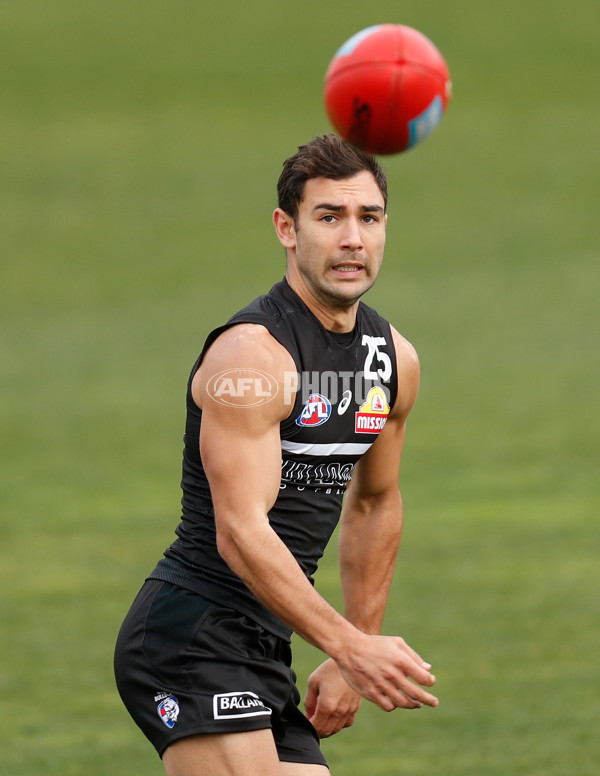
{"points": [[270, 307], [405, 350], [403, 347], [246, 344], [245, 366]]}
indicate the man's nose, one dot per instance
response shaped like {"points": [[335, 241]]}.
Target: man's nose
{"points": [[351, 236]]}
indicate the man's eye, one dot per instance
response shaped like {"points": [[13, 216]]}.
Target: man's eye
{"points": [[328, 219]]}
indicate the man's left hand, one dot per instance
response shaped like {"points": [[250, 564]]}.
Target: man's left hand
{"points": [[330, 703]]}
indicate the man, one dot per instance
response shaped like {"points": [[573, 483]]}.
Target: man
{"points": [[300, 397]]}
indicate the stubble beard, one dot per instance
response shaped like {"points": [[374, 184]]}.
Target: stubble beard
{"points": [[331, 294]]}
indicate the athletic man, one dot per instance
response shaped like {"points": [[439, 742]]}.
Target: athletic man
{"points": [[300, 398]]}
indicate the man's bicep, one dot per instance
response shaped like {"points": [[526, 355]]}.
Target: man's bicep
{"points": [[241, 454], [239, 438]]}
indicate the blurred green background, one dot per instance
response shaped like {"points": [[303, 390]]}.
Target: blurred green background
{"points": [[140, 143]]}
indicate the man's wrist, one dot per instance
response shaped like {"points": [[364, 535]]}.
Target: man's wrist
{"points": [[343, 641]]}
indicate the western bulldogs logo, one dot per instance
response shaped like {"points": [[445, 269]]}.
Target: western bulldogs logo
{"points": [[316, 411], [168, 709]]}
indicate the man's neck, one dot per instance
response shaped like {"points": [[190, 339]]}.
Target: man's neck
{"points": [[332, 317]]}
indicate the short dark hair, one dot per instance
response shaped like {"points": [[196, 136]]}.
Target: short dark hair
{"points": [[327, 156]]}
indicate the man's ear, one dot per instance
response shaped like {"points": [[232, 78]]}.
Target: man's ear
{"points": [[285, 228]]}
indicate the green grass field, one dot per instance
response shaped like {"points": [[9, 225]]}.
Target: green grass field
{"points": [[140, 143]]}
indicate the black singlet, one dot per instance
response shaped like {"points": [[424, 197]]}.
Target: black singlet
{"points": [[347, 385]]}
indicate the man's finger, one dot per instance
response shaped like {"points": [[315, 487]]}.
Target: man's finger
{"points": [[409, 695], [310, 701], [416, 693], [333, 724]]}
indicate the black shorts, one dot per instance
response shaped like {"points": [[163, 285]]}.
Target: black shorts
{"points": [[185, 665]]}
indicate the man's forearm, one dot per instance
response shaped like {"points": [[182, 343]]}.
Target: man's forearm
{"points": [[368, 548], [258, 556], [379, 668]]}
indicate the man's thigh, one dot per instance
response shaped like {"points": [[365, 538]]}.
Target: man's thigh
{"points": [[252, 753], [233, 754], [302, 769]]}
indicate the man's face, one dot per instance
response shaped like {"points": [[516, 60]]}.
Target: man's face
{"points": [[340, 237]]}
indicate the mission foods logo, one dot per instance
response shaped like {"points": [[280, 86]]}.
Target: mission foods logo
{"points": [[230, 705], [242, 387], [372, 415]]}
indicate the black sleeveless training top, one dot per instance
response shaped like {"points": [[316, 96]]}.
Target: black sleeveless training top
{"points": [[346, 386]]}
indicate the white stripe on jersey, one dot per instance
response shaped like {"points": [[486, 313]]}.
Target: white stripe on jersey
{"points": [[340, 448]]}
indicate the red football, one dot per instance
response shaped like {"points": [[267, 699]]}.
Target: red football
{"points": [[387, 88]]}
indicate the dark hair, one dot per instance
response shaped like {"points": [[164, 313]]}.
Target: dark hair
{"points": [[324, 157]]}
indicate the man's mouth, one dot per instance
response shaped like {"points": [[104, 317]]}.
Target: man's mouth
{"points": [[348, 267]]}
